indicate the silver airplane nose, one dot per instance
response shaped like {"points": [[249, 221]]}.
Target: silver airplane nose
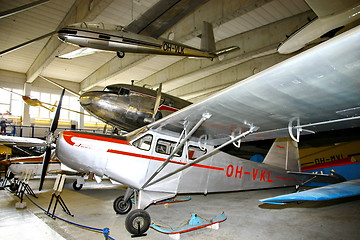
{"points": [[63, 33], [85, 100]]}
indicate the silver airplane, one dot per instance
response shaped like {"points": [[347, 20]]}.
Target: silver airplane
{"points": [[314, 91], [93, 37], [127, 107]]}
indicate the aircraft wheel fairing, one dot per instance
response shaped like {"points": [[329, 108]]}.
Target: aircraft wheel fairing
{"points": [[137, 221], [122, 207], [120, 54], [76, 186]]}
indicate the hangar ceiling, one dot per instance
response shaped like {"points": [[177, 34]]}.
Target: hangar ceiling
{"points": [[256, 26]]}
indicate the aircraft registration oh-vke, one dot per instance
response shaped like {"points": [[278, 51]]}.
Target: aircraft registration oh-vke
{"points": [[95, 37], [317, 90]]}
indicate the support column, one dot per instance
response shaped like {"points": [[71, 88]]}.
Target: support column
{"points": [[26, 113]]}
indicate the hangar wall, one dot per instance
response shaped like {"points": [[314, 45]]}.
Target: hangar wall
{"points": [[14, 80]]}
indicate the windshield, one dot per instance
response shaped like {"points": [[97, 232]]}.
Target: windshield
{"points": [[104, 26]]}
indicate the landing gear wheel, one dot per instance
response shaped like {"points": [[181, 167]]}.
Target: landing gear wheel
{"points": [[122, 207], [76, 186], [120, 54], [137, 222], [14, 187]]}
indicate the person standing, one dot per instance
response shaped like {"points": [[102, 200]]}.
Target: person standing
{"points": [[3, 125]]}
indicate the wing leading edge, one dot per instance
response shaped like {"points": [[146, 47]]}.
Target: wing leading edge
{"points": [[335, 191], [319, 87]]}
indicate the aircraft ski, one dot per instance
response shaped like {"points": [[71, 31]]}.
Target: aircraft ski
{"points": [[194, 223]]}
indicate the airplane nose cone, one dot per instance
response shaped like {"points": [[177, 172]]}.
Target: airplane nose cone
{"points": [[63, 33], [89, 98]]}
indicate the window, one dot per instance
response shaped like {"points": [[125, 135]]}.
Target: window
{"points": [[124, 91], [11, 101], [144, 143], [195, 152], [166, 147]]}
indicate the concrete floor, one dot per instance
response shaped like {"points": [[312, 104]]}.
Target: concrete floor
{"points": [[247, 217]]}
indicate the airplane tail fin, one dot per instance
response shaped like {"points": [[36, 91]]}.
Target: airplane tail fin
{"points": [[208, 41], [207, 38], [284, 153]]}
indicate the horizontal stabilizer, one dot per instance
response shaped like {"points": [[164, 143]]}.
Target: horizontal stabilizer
{"points": [[335, 191], [322, 178], [79, 53], [226, 50]]}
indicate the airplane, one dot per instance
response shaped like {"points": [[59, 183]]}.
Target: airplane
{"points": [[95, 37], [127, 107], [33, 164], [331, 18], [37, 103], [314, 91]]}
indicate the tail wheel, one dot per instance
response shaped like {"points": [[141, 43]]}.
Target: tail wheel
{"points": [[77, 186], [122, 207], [137, 221]]}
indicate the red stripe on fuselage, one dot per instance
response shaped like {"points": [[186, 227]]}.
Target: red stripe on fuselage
{"points": [[290, 179], [167, 108], [67, 135], [160, 159]]}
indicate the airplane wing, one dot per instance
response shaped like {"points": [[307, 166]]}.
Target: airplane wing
{"points": [[21, 141], [79, 53], [334, 191], [316, 90], [322, 8]]}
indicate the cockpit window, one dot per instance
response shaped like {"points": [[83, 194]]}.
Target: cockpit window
{"points": [[111, 89], [103, 26], [166, 147], [195, 152], [124, 91], [144, 143]]}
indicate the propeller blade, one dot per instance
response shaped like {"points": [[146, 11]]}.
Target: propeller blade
{"points": [[46, 161], [50, 139], [157, 101], [55, 122]]}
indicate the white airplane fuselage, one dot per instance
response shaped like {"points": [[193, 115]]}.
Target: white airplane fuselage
{"points": [[132, 164]]}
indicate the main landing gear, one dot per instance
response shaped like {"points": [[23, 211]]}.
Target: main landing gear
{"points": [[138, 221], [120, 54]]}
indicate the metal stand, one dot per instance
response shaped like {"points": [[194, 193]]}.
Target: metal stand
{"points": [[58, 187], [24, 186]]}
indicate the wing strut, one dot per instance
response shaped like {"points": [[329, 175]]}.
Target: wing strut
{"points": [[300, 128], [204, 117], [199, 159]]}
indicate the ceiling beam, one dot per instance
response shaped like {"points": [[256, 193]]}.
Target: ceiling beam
{"points": [[81, 11], [264, 42], [22, 8], [216, 11]]}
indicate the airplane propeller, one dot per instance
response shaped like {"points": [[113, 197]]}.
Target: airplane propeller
{"points": [[49, 140], [157, 101]]}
